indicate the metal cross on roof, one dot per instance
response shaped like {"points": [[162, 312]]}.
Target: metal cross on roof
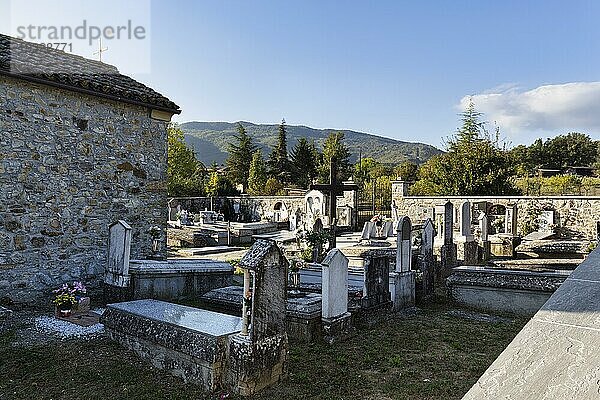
{"points": [[100, 50]]}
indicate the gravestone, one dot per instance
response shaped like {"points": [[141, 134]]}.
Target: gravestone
{"points": [[444, 240], [510, 222], [466, 247], [403, 287], [295, 219], [315, 204], [504, 244], [119, 248], [465, 221], [366, 231], [334, 294], [344, 216], [404, 245], [376, 288], [318, 250], [258, 354], [546, 221], [426, 259], [485, 241]]}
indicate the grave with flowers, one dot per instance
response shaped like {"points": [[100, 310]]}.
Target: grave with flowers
{"points": [[71, 298]]}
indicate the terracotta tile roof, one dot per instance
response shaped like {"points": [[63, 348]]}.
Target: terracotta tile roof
{"points": [[38, 63]]}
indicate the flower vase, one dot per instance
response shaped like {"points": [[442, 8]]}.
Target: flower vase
{"points": [[63, 311]]}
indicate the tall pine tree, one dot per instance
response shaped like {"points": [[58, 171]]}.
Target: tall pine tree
{"points": [[240, 157], [304, 159], [257, 175], [279, 165]]}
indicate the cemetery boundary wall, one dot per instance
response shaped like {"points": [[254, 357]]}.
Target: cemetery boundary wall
{"points": [[574, 216]]}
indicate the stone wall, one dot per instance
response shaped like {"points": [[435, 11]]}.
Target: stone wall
{"points": [[70, 164], [256, 207], [574, 216]]}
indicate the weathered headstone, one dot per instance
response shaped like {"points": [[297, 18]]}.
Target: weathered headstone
{"points": [[510, 222], [295, 219], [404, 245], [485, 241], [426, 259], [258, 355], [334, 286], [465, 221], [317, 251], [334, 294], [367, 230], [403, 287], [546, 221], [376, 279], [444, 217], [119, 248]]}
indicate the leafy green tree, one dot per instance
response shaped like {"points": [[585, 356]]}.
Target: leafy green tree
{"points": [[573, 149], [240, 157], [334, 147], [184, 172], [279, 165], [273, 187], [304, 161], [475, 164], [407, 171], [258, 174]]}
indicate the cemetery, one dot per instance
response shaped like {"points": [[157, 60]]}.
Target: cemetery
{"points": [[108, 285]]}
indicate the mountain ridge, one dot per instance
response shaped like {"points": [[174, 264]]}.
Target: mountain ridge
{"points": [[210, 140]]}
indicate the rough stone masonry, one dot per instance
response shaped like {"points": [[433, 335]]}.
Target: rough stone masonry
{"points": [[79, 150]]}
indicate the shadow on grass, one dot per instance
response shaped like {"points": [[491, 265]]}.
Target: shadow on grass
{"points": [[431, 355]]}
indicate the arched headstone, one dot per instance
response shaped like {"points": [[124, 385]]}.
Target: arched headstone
{"points": [[119, 248], [403, 245]]}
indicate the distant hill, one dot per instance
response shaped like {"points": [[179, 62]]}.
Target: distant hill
{"points": [[210, 139]]}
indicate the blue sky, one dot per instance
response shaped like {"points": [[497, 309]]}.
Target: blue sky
{"points": [[393, 68]]}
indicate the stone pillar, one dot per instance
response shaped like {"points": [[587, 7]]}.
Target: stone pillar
{"points": [[400, 188], [334, 294], [403, 285]]}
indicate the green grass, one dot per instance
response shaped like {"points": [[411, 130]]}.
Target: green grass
{"points": [[427, 356]]}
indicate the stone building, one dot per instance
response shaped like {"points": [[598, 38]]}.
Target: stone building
{"points": [[81, 146]]}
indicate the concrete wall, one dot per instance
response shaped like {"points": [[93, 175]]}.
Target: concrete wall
{"points": [[70, 164], [575, 216]]}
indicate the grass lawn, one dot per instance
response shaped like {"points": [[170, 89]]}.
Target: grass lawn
{"points": [[431, 355]]}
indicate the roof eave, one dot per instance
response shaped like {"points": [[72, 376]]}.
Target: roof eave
{"points": [[89, 92]]}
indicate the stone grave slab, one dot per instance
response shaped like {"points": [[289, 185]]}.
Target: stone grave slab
{"points": [[188, 342], [177, 278]]}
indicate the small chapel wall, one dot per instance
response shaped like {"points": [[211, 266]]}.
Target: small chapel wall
{"points": [[70, 165]]}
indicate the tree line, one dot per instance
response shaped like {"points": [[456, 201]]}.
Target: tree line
{"points": [[247, 170], [476, 162]]}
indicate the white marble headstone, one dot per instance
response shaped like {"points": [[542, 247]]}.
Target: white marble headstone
{"points": [[334, 285], [119, 248]]}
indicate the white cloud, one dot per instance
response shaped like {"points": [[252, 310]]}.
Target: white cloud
{"points": [[545, 111]]}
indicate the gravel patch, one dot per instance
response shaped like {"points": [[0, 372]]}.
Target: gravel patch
{"points": [[66, 330]]}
